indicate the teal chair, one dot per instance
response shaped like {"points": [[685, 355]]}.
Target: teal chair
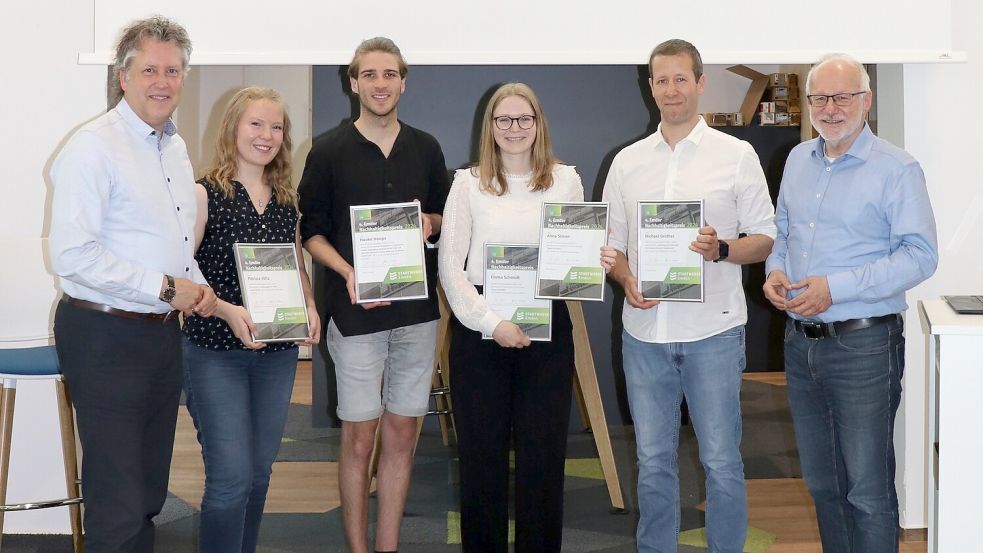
{"points": [[27, 353]]}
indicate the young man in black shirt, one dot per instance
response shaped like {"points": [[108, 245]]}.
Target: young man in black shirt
{"points": [[376, 346]]}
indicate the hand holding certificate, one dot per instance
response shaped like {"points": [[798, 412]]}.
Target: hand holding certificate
{"points": [[387, 241], [510, 289], [570, 238], [667, 269], [272, 292]]}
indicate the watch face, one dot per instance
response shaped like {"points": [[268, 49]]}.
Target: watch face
{"points": [[723, 249]]}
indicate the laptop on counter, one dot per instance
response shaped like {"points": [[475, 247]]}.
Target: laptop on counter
{"points": [[966, 305]]}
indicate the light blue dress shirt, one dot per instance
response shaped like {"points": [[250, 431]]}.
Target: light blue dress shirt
{"points": [[123, 212], [864, 220]]}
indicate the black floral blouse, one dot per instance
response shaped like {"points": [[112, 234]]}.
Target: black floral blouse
{"points": [[231, 221]]}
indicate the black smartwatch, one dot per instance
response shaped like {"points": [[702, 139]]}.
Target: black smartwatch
{"points": [[167, 296], [724, 251]]}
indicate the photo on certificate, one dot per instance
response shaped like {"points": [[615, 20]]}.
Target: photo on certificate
{"points": [[570, 240], [387, 242], [667, 269], [272, 293], [510, 289]]}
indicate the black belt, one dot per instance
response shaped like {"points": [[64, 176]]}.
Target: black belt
{"points": [[817, 330], [92, 306]]}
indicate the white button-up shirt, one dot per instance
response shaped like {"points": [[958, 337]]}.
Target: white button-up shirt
{"points": [[123, 212], [726, 174]]}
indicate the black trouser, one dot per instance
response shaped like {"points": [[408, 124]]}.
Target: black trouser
{"points": [[521, 397], [125, 379]]}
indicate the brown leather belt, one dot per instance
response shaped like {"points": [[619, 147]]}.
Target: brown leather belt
{"points": [[817, 330], [92, 306]]}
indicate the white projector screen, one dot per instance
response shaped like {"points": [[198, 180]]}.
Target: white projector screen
{"points": [[544, 32]]}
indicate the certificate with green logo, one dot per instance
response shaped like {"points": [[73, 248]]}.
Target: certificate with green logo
{"points": [[667, 269], [387, 241], [272, 293], [570, 243], [510, 289]]}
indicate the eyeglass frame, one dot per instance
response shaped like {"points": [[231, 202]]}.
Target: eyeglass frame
{"points": [[513, 121], [828, 97]]}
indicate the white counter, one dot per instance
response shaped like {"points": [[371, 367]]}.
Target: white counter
{"points": [[955, 421]]}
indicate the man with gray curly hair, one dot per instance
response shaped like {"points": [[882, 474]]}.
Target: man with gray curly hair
{"points": [[122, 228]]}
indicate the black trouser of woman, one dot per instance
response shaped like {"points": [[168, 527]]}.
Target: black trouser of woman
{"points": [[518, 397]]}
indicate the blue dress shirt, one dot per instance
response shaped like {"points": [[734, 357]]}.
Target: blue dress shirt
{"points": [[123, 212], [864, 220]]}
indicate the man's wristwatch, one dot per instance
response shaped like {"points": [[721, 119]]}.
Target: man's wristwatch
{"points": [[167, 296], [724, 251]]}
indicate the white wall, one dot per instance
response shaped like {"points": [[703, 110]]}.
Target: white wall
{"points": [[560, 31], [45, 94], [941, 132], [48, 95]]}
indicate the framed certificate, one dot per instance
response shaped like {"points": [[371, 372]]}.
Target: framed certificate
{"points": [[510, 289], [667, 269], [387, 241], [272, 293], [570, 240]]}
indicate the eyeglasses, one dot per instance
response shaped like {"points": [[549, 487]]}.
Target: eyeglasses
{"points": [[842, 99], [504, 122]]}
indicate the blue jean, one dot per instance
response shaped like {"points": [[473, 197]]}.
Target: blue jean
{"points": [[844, 393], [238, 400], [708, 373]]}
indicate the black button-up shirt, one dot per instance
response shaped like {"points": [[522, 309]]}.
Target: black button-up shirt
{"points": [[344, 169]]}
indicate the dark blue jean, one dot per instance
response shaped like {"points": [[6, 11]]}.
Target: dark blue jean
{"points": [[238, 400], [844, 392], [708, 373]]}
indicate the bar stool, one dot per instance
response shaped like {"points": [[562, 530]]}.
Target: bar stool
{"points": [[440, 391], [34, 364], [27, 353]]}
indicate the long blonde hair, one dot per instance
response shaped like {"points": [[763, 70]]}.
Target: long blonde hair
{"points": [[277, 172], [489, 170]]}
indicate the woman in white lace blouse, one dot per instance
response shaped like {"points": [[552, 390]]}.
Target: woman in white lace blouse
{"points": [[507, 391]]}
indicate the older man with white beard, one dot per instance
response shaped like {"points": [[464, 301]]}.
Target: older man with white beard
{"points": [[855, 231]]}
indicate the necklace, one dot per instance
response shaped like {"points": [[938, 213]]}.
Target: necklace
{"points": [[518, 175]]}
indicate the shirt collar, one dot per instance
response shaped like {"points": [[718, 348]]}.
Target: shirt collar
{"points": [[860, 148], [694, 137], [140, 126], [360, 138]]}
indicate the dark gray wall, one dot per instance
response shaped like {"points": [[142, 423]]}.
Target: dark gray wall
{"points": [[593, 112]]}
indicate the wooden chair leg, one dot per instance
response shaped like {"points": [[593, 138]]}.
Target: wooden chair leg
{"points": [[578, 397], [587, 378], [70, 460], [6, 430], [444, 367]]}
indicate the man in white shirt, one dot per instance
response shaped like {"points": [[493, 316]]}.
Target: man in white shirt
{"points": [[122, 243], [688, 349]]}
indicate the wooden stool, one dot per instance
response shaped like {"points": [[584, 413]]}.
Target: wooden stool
{"points": [[33, 364], [587, 394], [440, 387]]}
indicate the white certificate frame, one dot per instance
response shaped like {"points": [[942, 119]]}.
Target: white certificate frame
{"points": [[570, 238], [512, 262], [269, 295], [666, 267], [380, 232]]}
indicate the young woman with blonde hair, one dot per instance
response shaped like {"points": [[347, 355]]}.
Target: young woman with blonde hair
{"points": [[238, 390], [510, 390]]}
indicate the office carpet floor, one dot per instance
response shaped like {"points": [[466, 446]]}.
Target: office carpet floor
{"points": [[781, 515]]}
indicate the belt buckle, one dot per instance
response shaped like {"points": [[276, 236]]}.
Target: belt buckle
{"points": [[813, 331]]}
